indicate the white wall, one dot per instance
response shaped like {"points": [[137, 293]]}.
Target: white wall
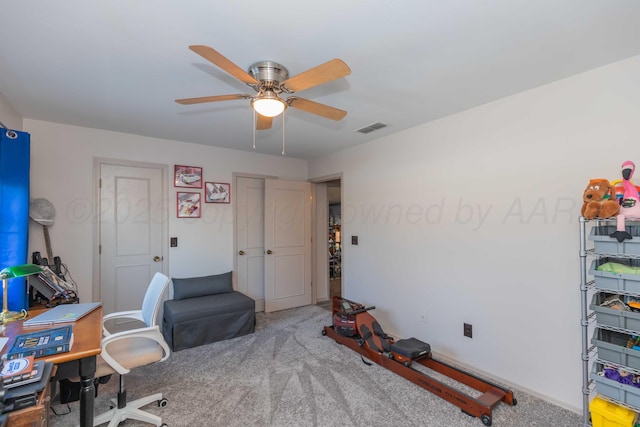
{"points": [[473, 218], [8, 115], [62, 172]]}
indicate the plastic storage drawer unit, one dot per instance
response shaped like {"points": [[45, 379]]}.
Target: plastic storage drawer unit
{"points": [[612, 348], [611, 317], [623, 393], [616, 282], [604, 244], [607, 414]]}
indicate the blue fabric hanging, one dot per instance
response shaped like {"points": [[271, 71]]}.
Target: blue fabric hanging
{"points": [[14, 210]]}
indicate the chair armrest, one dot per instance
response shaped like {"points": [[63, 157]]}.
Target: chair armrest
{"points": [[152, 333], [131, 314]]}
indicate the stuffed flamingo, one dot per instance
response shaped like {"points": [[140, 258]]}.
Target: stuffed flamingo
{"points": [[630, 204]]}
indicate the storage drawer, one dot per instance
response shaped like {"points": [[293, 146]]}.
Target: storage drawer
{"points": [[623, 393], [611, 347], [605, 280], [608, 245], [614, 318]]}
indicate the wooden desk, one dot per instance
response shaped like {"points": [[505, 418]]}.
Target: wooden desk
{"points": [[80, 361]]}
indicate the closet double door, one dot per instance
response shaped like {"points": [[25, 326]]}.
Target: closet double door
{"points": [[273, 242]]}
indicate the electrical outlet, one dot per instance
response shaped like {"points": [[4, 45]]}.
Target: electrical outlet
{"points": [[423, 317], [468, 330]]}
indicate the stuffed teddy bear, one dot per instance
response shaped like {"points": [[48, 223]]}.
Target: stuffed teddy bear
{"points": [[599, 200]]}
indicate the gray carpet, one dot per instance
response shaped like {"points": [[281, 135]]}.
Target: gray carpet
{"points": [[288, 374]]}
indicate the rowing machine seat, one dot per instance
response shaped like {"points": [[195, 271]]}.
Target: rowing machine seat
{"points": [[409, 349]]}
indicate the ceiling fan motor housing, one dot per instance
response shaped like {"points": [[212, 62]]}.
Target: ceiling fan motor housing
{"points": [[269, 74]]}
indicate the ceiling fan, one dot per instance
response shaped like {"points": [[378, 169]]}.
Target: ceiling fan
{"points": [[270, 80]]}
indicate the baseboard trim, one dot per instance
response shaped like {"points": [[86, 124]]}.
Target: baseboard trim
{"points": [[577, 410]]}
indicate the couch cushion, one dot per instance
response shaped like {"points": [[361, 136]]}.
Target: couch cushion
{"points": [[196, 321], [203, 307], [193, 287]]}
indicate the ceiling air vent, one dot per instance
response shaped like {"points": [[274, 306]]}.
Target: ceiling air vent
{"points": [[372, 127]]}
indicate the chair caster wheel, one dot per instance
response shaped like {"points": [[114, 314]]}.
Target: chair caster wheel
{"points": [[164, 425], [486, 420], [162, 402], [324, 333]]}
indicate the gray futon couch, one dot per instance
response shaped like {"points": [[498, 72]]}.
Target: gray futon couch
{"points": [[204, 310]]}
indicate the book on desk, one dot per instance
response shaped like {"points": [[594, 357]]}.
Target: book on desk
{"points": [[42, 343], [22, 371]]}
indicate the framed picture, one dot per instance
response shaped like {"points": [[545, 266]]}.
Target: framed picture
{"points": [[188, 205], [217, 192], [187, 176]]}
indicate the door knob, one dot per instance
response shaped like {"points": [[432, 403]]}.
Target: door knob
{"points": [[157, 258], [241, 253], [269, 252]]}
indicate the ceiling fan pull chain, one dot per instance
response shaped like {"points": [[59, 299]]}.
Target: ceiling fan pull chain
{"points": [[283, 133]]}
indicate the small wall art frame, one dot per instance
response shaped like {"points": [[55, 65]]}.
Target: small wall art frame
{"points": [[187, 176], [217, 192], [188, 204]]}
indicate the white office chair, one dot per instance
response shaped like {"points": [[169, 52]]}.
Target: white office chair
{"points": [[131, 348]]}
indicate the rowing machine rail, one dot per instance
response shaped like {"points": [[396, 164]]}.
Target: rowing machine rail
{"points": [[480, 407]]}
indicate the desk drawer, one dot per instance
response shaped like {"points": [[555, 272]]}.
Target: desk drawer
{"points": [[33, 416]]}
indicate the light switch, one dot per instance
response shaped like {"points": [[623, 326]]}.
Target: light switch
{"points": [[174, 242]]}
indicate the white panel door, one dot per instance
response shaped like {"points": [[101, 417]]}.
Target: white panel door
{"points": [[132, 217], [250, 238], [287, 244]]}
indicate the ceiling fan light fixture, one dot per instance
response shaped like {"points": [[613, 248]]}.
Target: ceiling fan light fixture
{"points": [[269, 104]]}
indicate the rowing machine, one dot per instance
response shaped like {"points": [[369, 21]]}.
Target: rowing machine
{"points": [[357, 329]]}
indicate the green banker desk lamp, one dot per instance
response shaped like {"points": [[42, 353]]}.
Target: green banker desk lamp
{"points": [[11, 273]]}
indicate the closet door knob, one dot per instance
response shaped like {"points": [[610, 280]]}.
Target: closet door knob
{"points": [[269, 252], [241, 253]]}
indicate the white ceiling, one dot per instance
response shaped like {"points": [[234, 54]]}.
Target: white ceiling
{"points": [[120, 64]]}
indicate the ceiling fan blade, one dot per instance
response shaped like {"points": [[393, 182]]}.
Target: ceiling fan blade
{"points": [[323, 73], [316, 108], [216, 58], [263, 122], [202, 99]]}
